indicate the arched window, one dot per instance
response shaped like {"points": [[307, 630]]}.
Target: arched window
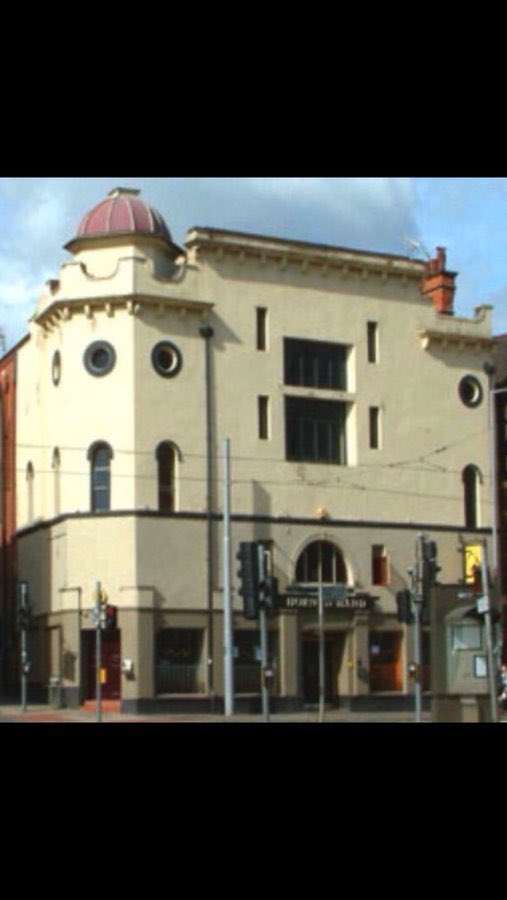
{"points": [[100, 456], [29, 487], [471, 480], [321, 561], [56, 476], [167, 453]]}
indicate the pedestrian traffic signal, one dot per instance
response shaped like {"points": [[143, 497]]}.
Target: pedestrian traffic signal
{"points": [[269, 593], [110, 618], [430, 565], [404, 604], [24, 617], [248, 574], [477, 586]]}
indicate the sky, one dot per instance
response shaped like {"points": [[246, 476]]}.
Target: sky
{"points": [[465, 215]]}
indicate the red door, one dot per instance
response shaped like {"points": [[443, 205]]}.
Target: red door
{"points": [[110, 662]]}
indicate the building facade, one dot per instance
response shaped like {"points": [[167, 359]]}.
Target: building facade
{"points": [[355, 403]]}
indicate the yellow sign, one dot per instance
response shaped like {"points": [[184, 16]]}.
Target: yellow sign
{"points": [[473, 560], [103, 676]]}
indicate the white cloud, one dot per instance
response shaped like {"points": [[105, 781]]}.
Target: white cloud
{"points": [[38, 216]]}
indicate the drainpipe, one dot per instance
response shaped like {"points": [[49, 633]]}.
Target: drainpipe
{"points": [[206, 332]]}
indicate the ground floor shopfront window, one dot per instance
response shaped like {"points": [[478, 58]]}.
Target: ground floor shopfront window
{"points": [[179, 663], [247, 660]]}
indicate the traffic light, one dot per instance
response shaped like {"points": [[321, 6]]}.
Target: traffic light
{"points": [[24, 617], [477, 580], [430, 565], [248, 575], [110, 618], [23, 610], [269, 593], [404, 604]]}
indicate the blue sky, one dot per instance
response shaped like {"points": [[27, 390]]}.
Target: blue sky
{"points": [[465, 215]]}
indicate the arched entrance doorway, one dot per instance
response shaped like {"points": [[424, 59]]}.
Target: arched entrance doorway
{"points": [[321, 563]]}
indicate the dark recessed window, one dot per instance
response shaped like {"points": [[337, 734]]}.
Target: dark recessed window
{"points": [[99, 358], [372, 341], [262, 328], [315, 364], [315, 430], [471, 480], [166, 359], [166, 458], [263, 415], [56, 367], [321, 561], [470, 391], [374, 428]]}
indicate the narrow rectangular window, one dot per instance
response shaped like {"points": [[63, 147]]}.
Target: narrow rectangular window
{"points": [[372, 342], [379, 565], [262, 328], [374, 428], [263, 418]]}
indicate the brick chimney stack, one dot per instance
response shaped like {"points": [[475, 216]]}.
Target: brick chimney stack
{"points": [[438, 284]]}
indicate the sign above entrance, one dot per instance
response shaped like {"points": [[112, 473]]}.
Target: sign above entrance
{"points": [[337, 596]]}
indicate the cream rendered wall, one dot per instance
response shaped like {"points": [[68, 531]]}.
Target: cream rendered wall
{"points": [[170, 409], [428, 436], [416, 389], [82, 409]]}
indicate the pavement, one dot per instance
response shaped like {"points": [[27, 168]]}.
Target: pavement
{"points": [[11, 712]]}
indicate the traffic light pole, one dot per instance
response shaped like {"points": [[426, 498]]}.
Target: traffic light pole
{"points": [[417, 593], [98, 651], [228, 630], [24, 643], [264, 663], [264, 637], [489, 636]]}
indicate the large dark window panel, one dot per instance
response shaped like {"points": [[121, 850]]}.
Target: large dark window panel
{"points": [[315, 364], [315, 430]]}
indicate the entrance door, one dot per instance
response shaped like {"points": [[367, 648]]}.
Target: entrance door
{"points": [[333, 651], [385, 661], [110, 661]]}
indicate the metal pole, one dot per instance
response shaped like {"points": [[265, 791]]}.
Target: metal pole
{"points": [[264, 637], [496, 585], [206, 332], [24, 645], [264, 663], [492, 451], [322, 683], [418, 599], [228, 632], [98, 653], [489, 638]]}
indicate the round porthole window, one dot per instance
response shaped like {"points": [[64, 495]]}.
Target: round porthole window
{"points": [[56, 367], [166, 359], [470, 391], [99, 358]]}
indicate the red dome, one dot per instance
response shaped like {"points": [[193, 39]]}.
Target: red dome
{"points": [[123, 213]]}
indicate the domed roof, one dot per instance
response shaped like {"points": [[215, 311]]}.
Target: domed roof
{"points": [[122, 212]]}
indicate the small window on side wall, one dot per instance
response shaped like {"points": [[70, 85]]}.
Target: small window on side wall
{"points": [[372, 342], [379, 565], [166, 476], [100, 455], [471, 481], [262, 328]]}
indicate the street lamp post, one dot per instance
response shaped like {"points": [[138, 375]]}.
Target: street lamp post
{"points": [[489, 369]]}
